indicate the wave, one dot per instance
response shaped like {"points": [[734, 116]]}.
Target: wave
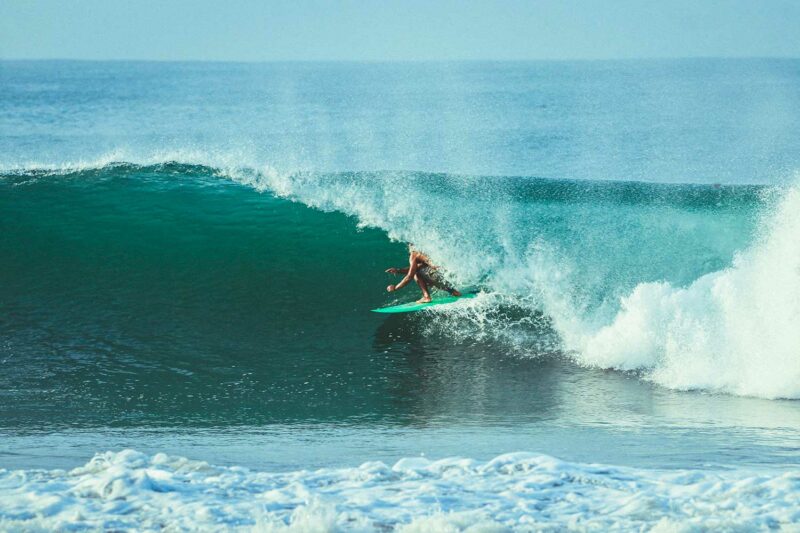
{"points": [[691, 287], [512, 492]]}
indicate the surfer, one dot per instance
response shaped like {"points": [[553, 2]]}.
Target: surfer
{"points": [[425, 273]]}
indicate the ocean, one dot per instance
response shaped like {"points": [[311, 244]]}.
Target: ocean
{"points": [[189, 253]]}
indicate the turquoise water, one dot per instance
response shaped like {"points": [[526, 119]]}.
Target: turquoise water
{"points": [[189, 254]]}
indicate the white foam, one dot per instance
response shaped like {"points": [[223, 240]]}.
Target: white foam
{"points": [[736, 330], [129, 491]]}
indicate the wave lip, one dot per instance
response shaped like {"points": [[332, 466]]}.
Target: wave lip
{"points": [[519, 491]]}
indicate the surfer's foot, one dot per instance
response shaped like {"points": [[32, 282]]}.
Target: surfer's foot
{"points": [[455, 293], [424, 300]]}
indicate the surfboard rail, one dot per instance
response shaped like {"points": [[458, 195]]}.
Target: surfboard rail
{"points": [[414, 306]]}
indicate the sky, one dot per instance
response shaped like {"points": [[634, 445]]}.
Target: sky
{"points": [[374, 30]]}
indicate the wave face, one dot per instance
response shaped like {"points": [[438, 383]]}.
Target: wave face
{"points": [[168, 287], [693, 287], [513, 492]]}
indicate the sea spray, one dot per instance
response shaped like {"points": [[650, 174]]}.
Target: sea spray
{"points": [[736, 330]]}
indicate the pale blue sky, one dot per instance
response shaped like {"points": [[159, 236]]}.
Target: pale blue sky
{"points": [[248, 30]]}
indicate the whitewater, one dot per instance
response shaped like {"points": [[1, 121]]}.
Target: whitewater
{"points": [[513, 492]]}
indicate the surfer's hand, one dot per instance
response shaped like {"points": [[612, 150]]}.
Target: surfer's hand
{"points": [[390, 288], [392, 270]]}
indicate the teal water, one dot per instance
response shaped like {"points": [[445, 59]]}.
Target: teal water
{"points": [[189, 254], [163, 277]]}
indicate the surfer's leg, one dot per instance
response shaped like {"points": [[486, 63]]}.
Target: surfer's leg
{"points": [[426, 296], [447, 287], [435, 279]]}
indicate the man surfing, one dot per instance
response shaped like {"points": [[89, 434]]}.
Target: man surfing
{"points": [[421, 270]]}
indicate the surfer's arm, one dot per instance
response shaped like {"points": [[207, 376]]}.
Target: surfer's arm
{"points": [[395, 270], [411, 270]]}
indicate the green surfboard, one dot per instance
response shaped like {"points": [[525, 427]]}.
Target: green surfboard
{"points": [[413, 306]]}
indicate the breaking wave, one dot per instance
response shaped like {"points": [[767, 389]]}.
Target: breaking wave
{"points": [[689, 286]]}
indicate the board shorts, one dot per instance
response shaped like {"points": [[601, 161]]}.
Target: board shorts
{"points": [[433, 278]]}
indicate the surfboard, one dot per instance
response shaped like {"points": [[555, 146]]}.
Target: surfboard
{"points": [[413, 306]]}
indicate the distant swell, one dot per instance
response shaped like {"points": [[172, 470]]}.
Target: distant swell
{"points": [[692, 287]]}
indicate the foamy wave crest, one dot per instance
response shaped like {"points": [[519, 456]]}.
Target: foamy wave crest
{"points": [[735, 330], [129, 491]]}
